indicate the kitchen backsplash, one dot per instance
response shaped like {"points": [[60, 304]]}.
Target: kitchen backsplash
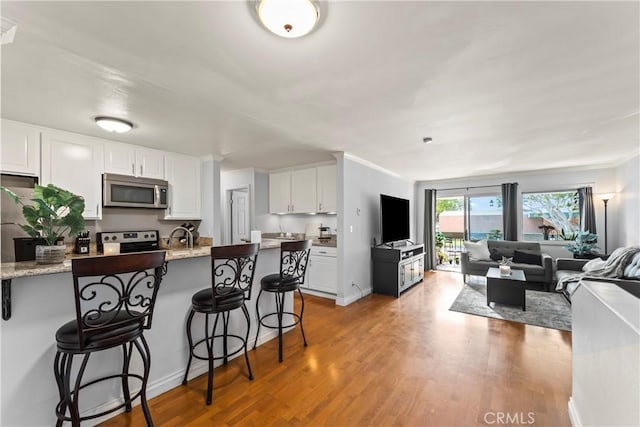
{"points": [[124, 219], [294, 223]]}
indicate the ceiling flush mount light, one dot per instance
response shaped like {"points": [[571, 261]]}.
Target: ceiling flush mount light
{"points": [[112, 124], [288, 18]]}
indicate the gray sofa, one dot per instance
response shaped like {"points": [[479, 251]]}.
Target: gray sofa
{"points": [[542, 274], [630, 281]]}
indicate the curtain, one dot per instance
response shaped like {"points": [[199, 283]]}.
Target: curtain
{"points": [[587, 210], [510, 211], [430, 229]]}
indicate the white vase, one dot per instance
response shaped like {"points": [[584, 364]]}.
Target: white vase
{"points": [[50, 254]]}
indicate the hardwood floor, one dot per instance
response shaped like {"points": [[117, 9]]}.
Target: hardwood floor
{"points": [[384, 361]]}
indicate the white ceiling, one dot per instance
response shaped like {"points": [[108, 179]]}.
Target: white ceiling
{"points": [[504, 86]]}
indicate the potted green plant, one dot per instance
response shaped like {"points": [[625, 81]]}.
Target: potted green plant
{"points": [[494, 234], [583, 246], [53, 213], [569, 235], [440, 239]]}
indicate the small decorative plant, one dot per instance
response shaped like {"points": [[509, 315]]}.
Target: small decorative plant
{"points": [[546, 229], [506, 261], [584, 244], [494, 234], [440, 238], [53, 213]]}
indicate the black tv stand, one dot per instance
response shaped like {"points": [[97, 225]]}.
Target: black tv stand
{"points": [[396, 269]]}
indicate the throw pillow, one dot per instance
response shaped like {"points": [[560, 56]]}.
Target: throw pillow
{"points": [[527, 257], [496, 255], [478, 251]]}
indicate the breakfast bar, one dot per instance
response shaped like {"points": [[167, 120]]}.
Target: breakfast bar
{"points": [[42, 299]]}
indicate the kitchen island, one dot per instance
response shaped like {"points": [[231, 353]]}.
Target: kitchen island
{"points": [[42, 301]]}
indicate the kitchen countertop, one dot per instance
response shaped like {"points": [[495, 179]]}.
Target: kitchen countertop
{"points": [[14, 270], [271, 242]]}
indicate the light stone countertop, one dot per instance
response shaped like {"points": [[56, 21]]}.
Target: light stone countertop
{"points": [[14, 270]]}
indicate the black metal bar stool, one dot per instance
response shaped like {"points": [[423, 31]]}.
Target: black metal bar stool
{"points": [[232, 270], [114, 298], [293, 265]]}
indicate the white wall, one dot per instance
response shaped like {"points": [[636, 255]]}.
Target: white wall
{"points": [[627, 201], [602, 180], [211, 214], [605, 349], [359, 189]]}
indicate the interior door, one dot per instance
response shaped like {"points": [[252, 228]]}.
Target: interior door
{"points": [[239, 216]]}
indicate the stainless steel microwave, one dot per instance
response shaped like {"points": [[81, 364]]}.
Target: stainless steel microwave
{"points": [[131, 192]]}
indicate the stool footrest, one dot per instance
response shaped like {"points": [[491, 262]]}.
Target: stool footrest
{"points": [[229, 354], [296, 316]]}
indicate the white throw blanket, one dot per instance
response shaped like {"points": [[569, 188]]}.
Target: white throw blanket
{"points": [[613, 267]]}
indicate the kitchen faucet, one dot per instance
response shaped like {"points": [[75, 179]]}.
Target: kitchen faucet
{"points": [[189, 236]]}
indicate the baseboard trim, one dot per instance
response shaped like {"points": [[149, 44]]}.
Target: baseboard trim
{"points": [[573, 414], [173, 380], [318, 293], [342, 301]]}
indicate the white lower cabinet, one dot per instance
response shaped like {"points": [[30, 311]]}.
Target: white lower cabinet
{"points": [[322, 271], [75, 163]]}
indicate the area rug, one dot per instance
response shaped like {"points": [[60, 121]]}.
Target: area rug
{"points": [[546, 309]]}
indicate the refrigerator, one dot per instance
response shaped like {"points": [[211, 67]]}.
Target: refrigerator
{"points": [[11, 213]]}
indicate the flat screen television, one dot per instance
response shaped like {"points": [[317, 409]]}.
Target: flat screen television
{"points": [[394, 212]]}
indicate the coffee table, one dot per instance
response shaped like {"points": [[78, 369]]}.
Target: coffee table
{"points": [[506, 289]]}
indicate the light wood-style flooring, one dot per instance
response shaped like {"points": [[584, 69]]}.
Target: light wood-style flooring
{"points": [[384, 361]]}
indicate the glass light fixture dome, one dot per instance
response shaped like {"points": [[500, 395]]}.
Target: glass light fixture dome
{"points": [[112, 124], [288, 18]]}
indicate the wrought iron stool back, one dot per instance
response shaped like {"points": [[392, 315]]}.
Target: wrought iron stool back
{"points": [[232, 271], [294, 257], [114, 301]]}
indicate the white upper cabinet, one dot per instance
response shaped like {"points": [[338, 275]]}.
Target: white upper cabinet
{"points": [[183, 174], [327, 191], [126, 159], [150, 163], [74, 162], [307, 190], [303, 190], [20, 149], [280, 192], [292, 192]]}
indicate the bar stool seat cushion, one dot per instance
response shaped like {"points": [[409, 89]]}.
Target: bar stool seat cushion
{"points": [[127, 329], [225, 299], [276, 283]]}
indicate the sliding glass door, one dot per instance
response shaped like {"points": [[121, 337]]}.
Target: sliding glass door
{"points": [[484, 217], [465, 217]]}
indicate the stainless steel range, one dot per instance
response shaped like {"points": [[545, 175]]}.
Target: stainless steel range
{"points": [[130, 241]]}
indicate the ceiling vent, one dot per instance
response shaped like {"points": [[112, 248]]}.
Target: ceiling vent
{"points": [[7, 30]]}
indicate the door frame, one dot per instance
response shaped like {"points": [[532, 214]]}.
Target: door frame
{"points": [[229, 214]]}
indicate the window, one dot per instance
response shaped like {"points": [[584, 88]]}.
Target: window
{"points": [[551, 215]]}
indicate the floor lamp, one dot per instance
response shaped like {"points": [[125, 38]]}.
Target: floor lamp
{"points": [[605, 198]]}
